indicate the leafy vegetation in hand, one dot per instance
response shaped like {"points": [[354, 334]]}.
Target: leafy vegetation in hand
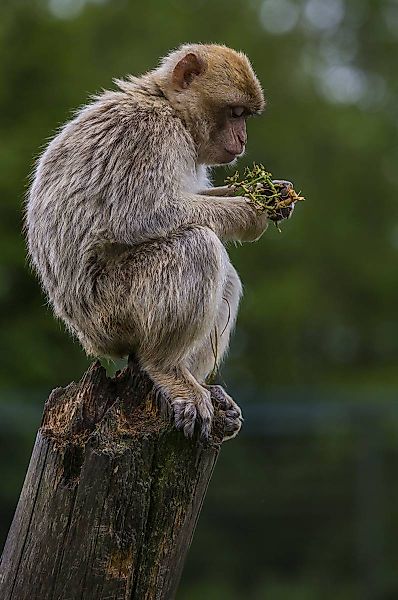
{"points": [[273, 196]]}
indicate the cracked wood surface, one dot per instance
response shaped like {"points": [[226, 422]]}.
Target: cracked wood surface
{"points": [[111, 497]]}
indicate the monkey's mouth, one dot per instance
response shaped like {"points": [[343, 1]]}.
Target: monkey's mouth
{"points": [[234, 155], [227, 158]]}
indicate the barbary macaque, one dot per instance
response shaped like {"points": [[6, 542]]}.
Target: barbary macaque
{"points": [[127, 235]]}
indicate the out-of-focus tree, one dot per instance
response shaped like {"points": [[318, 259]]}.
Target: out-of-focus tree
{"points": [[320, 297]]}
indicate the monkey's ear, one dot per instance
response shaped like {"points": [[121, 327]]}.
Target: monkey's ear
{"points": [[185, 71]]}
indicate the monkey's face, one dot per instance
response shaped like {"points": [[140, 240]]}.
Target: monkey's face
{"points": [[215, 89], [227, 136]]}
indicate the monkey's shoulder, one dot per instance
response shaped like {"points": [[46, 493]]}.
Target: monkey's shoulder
{"points": [[130, 113]]}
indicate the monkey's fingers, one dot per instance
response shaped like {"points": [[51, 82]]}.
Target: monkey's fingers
{"points": [[282, 213], [283, 183]]}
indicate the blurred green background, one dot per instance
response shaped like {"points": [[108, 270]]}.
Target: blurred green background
{"points": [[303, 505]]}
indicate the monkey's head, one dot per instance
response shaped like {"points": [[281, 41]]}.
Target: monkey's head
{"points": [[214, 89]]}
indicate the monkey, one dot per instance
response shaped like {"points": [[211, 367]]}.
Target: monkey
{"points": [[128, 236]]}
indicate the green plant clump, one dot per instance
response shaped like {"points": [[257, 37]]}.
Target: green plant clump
{"points": [[258, 185]]}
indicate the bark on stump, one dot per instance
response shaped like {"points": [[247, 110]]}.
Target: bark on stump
{"points": [[111, 497]]}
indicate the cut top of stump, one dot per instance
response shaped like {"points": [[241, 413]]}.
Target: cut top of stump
{"points": [[112, 409]]}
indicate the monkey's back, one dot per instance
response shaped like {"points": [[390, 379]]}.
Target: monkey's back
{"points": [[92, 180]]}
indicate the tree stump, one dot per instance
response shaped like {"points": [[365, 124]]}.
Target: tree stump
{"points": [[111, 497]]}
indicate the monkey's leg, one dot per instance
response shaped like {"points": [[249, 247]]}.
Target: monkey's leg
{"points": [[168, 293], [212, 351]]}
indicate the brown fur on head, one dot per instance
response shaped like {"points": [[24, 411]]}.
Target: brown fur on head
{"points": [[214, 89]]}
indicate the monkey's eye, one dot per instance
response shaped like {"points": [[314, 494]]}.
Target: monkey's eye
{"points": [[237, 111]]}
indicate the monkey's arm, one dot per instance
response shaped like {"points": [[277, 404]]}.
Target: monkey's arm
{"points": [[152, 198], [231, 218], [223, 190]]}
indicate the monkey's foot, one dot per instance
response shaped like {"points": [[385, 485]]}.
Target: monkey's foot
{"points": [[232, 413], [189, 412]]}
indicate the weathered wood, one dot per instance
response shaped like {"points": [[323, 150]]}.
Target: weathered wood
{"points": [[111, 497]]}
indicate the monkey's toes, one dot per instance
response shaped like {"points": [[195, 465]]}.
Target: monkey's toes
{"points": [[187, 413], [206, 412], [223, 400], [232, 425], [233, 419]]}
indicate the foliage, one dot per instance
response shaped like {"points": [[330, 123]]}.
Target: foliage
{"points": [[258, 185]]}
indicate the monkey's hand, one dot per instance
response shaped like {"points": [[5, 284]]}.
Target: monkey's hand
{"points": [[286, 211], [232, 415]]}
